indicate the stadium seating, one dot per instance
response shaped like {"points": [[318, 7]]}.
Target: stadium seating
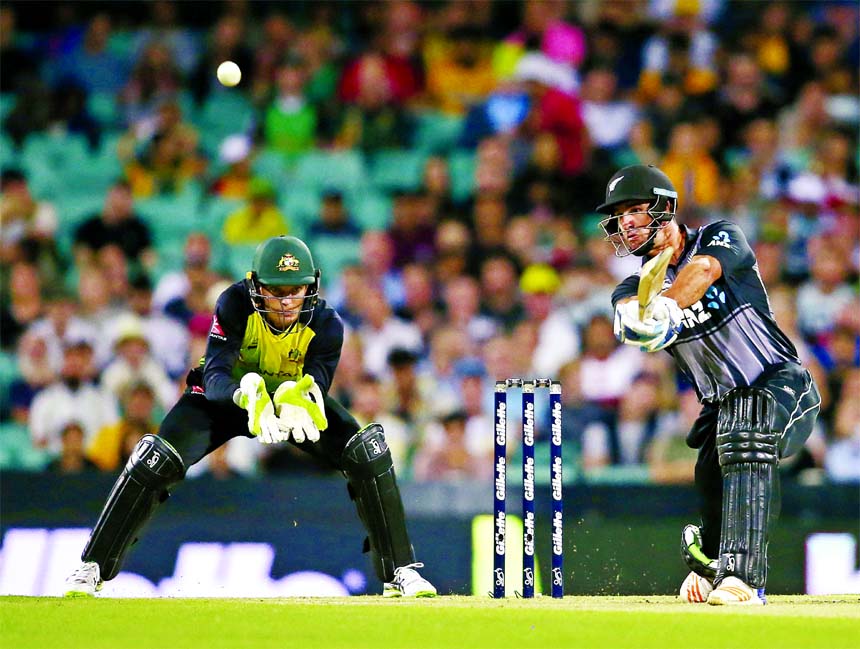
{"points": [[394, 170], [340, 170], [436, 132]]}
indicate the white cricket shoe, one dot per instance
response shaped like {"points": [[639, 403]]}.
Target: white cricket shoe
{"points": [[695, 589], [85, 581], [734, 592], [408, 583]]}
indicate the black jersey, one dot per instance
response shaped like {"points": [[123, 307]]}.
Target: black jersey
{"points": [[729, 336], [240, 341]]}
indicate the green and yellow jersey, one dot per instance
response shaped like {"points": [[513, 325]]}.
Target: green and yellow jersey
{"points": [[241, 342]]}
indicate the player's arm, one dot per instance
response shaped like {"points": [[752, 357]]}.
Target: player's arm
{"points": [[694, 279], [324, 350], [222, 347]]}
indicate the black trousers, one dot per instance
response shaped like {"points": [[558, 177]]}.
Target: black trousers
{"points": [[196, 426], [799, 402]]}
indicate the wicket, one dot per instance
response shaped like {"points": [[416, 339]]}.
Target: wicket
{"points": [[500, 482]]}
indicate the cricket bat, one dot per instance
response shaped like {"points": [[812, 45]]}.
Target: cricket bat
{"points": [[651, 280]]}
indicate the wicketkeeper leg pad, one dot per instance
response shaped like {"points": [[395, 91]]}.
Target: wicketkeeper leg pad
{"points": [[154, 466], [748, 450], [373, 485]]}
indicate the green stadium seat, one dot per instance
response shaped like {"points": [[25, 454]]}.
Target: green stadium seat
{"points": [[214, 212], [8, 152], [103, 107], [172, 216], [301, 205], [332, 254], [393, 170], [461, 165], [57, 152], [323, 170], [223, 114], [239, 258], [271, 165], [7, 103], [436, 132], [370, 210]]}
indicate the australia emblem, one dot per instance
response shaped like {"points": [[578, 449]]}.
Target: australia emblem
{"points": [[288, 262]]}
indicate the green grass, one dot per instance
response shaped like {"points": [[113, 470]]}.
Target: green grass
{"points": [[660, 622]]}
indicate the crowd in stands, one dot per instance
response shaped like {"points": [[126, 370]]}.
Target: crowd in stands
{"points": [[443, 161]]}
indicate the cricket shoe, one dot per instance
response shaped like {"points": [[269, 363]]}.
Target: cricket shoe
{"points": [[408, 583], [695, 589], [734, 592], [85, 581]]}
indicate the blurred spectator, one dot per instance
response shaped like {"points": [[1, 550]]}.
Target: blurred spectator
{"points": [[334, 224], [367, 407], [16, 63], [31, 113], [236, 153], [408, 394], [60, 325], [445, 455], [36, 373], [92, 64], [459, 71], [182, 293], [278, 34], [72, 458], [640, 418], [116, 224], [543, 28], [373, 89], [258, 219], [670, 460], [842, 461], [133, 363], [683, 48], [165, 27], [489, 221], [743, 98], [29, 225], [96, 310], [608, 117], [291, 120], [420, 305], [225, 44], [501, 112], [499, 290], [462, 298], [166, 120], [820, 299], [164, 167], [73, 398], [69, 113], [112, 446], [453, 251], [154, 79], [21, 302], [558, 339], [553, 110], [381, 332], [691, 168], [168, 340]]}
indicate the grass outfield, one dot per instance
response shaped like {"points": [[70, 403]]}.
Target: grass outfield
{"points": [[660, 622]]}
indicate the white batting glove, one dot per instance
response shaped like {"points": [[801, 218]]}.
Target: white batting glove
{"points": [[253, 397], [655, 332]]}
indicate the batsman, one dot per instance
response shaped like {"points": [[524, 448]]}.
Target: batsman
{"points": [[272, 352], [712, 315]]}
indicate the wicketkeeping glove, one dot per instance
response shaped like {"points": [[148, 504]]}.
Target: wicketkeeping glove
{"points": [[656, 332], [300, 409], [253, 397]]}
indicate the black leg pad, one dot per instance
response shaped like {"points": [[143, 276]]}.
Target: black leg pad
{"points": [[373, 485], [154, 467], [747, 445]]}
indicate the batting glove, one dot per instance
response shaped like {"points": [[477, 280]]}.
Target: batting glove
{"points": [[655, 332], [253, 397]]}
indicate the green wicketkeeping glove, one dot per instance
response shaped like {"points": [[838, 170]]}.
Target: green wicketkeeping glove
{"points": [[253, 397], [304, 394]]}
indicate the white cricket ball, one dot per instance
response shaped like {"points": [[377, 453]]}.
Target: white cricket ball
{"points": [[229, 74]]}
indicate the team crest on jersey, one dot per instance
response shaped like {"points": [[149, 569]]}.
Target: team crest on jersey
{"points": [[288, 262], [216, 331]]}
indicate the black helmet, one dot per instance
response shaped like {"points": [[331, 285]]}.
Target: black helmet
{"points": [[638, 184], [284, 261]]}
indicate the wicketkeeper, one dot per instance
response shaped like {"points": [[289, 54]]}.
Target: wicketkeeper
{"points": [[272, 352], [758, 404]]}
